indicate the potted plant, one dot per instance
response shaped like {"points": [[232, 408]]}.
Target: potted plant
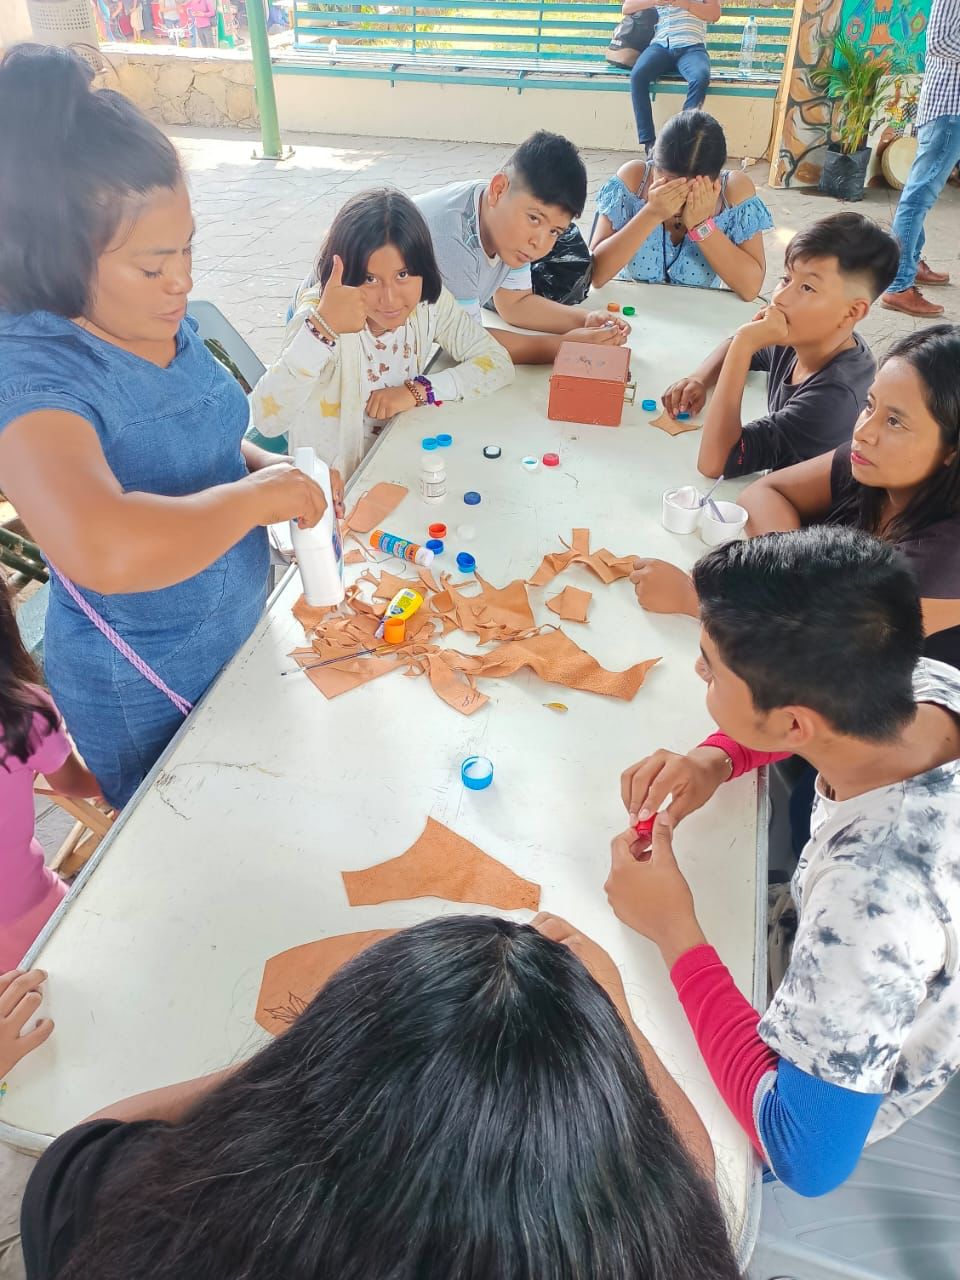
{"points": [[855, 81]]}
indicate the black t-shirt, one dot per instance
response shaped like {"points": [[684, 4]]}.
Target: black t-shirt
{"points": [[805, 420], [58, 1202], [933, 554]]}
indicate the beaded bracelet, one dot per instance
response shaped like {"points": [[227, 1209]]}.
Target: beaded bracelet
{"points": [[427, 386], [315, 322], [416, 391]]}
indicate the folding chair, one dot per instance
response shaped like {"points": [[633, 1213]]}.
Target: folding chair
{"points": [[237, 357]]}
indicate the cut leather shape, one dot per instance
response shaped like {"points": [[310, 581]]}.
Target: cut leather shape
{"points": [[554, 657], [441, 864], [603, 563], [495, 613], [672, 427], [571, 604], [292, 978], [375, 505]]}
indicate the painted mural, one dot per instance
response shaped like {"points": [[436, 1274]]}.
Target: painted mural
{"points": [[897, 25]]}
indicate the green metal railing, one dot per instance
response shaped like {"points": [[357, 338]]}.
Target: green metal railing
{"points": [[538, 31]]}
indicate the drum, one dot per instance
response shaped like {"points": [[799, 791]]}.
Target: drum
{"points": [[896, 161]]}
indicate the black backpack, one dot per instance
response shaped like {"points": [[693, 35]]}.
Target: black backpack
{"points": [[631, 37]]}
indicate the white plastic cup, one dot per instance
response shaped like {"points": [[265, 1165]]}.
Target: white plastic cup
{"points": [[716, 532], [680, 511]]}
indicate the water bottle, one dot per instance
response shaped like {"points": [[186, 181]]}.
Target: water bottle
{"points": [[748, 46], [318, 550]]}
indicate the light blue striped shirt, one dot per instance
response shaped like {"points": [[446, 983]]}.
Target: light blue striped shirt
{"points": [[678, 29]]}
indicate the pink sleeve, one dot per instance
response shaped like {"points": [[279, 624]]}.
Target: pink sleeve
{"points": [[53, 748], [725, 1026], [745, 759]]}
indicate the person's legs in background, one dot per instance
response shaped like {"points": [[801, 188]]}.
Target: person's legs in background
{"points": [[207, 39], [693, 63], [654, 62], [938, 151]]}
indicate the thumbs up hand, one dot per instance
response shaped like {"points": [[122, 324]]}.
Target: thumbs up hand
{"points": [[342, 305]]}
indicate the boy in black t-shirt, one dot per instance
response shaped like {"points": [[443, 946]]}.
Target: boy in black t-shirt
{"points": [[819, 367]]}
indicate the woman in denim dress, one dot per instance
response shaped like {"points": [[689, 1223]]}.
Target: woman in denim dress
{"points": [[121, 438]]}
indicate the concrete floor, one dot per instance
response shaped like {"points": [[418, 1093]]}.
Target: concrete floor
{"points": [[260, 223]]}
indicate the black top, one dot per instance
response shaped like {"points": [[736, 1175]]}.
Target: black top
{"points": [[58, 1203], [805, 420], [933, 554]]}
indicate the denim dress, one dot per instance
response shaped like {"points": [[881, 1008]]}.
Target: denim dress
{"points": [[173, 431], [659, 260]]}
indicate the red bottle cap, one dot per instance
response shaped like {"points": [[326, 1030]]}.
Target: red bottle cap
{"points": [[551, 459], [437, 530]]}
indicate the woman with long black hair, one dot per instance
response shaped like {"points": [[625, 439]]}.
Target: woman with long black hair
{"points": [[898, 478], [468, 1099], [121, 438]]}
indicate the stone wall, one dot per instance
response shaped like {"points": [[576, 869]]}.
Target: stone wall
{"points": [[209, 87]]}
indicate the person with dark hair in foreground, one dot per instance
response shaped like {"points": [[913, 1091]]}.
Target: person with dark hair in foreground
{"points": [[363, 332], [468, 1099], [486, 234], [810, 646], [679, 217], [121, 438], [819, 367]]}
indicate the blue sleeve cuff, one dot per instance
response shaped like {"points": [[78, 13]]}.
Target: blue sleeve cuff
{"points": [[812, 1131]]}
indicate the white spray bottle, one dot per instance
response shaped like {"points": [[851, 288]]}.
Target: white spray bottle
{"points": [[319, 550]]}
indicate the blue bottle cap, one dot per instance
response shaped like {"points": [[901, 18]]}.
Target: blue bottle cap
{"points": [[649, 406], [476, 773], [435, 545], [444, 441], [428, 443], [683, 417], [466, 562], [472, 499]]}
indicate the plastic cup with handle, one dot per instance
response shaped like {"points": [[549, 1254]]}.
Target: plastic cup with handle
{"points": [[715, 532], [680, 512]]}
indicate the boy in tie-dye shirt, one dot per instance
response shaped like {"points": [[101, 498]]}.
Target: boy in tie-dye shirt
{"points": [[810, 646]]}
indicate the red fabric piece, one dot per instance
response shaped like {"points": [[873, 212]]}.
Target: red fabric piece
{"points": [[724, 1023], [745, 759]]}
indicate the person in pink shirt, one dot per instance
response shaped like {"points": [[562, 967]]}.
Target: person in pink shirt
{"points": [[203, 15], [32, 741]]}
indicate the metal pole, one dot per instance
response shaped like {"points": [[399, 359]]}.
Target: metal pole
{"points": [[263, 79]]}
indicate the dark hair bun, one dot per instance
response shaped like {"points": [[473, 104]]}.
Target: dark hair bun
{"points": [[48, 87], [71, 159]]}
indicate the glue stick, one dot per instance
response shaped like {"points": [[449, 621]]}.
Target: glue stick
{"points": [[401, 548], [318, 550]]}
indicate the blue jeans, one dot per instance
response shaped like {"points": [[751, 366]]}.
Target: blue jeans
{"points": [[937, 154], [692, 63]]}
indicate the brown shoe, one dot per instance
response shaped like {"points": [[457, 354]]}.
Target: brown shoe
{"points": [[927, 275], [912, 303]]}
